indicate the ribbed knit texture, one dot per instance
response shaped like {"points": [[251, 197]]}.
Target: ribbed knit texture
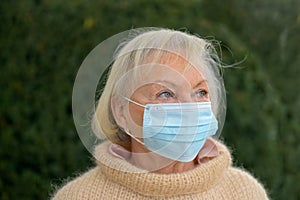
{"points": [[115, 178]]}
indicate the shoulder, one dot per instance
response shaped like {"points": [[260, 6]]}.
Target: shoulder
{"points": [[244, 184], [237, 183], [81, 187]]}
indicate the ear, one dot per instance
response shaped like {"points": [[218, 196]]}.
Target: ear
{"points": [[118, 112]]}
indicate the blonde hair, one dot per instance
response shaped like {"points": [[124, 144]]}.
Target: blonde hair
{"points": [[157, 42]]}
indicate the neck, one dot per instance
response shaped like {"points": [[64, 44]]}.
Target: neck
{"points": [[144, 159]]}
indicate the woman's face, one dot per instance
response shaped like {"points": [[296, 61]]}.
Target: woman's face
{"points": [[171, 81]]}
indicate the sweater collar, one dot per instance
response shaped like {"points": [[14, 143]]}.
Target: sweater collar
{"points": [[200, 179], [208, 151]]}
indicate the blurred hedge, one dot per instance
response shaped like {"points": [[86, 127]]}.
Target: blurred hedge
{"points": [[43, 43]]}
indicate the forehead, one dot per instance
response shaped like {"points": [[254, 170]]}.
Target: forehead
{"points": [[167, 67], [174, 68]]}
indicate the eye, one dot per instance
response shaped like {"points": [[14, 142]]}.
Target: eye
{"points": [[202, 93], [165, 94]]}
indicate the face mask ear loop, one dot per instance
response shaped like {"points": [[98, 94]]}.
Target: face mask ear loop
{"points": [[136, 103], [134, 137]]}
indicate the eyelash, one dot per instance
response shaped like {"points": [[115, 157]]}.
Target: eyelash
{"points": [[170, 93], [202, 91]]}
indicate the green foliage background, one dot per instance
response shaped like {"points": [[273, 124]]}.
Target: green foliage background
{"points": [[43, 43]]}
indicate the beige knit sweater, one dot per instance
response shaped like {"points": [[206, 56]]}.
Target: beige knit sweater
{"points": [[115, 178]]}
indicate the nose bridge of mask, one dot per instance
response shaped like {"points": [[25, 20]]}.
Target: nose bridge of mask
{"points": [[177, 114]]}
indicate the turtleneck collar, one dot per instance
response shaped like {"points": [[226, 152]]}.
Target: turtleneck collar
{"points": [[198, 180], [208, 152]]}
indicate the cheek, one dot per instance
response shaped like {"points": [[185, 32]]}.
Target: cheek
{"points": [[136, 114]]}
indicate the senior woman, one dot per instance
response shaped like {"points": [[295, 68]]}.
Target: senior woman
{"points": [[163, 103]]}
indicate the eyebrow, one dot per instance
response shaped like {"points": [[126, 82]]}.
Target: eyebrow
{"points": [[200, 83], [167, 82], [174, 85]]}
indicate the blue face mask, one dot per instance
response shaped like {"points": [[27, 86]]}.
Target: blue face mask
{"points": [[177, 130]]}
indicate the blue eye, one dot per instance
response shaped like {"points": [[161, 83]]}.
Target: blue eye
{"points": [[202, 93], [165, 94]]}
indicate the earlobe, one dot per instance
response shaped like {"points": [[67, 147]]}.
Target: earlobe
{"points": [[118, 112]]}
